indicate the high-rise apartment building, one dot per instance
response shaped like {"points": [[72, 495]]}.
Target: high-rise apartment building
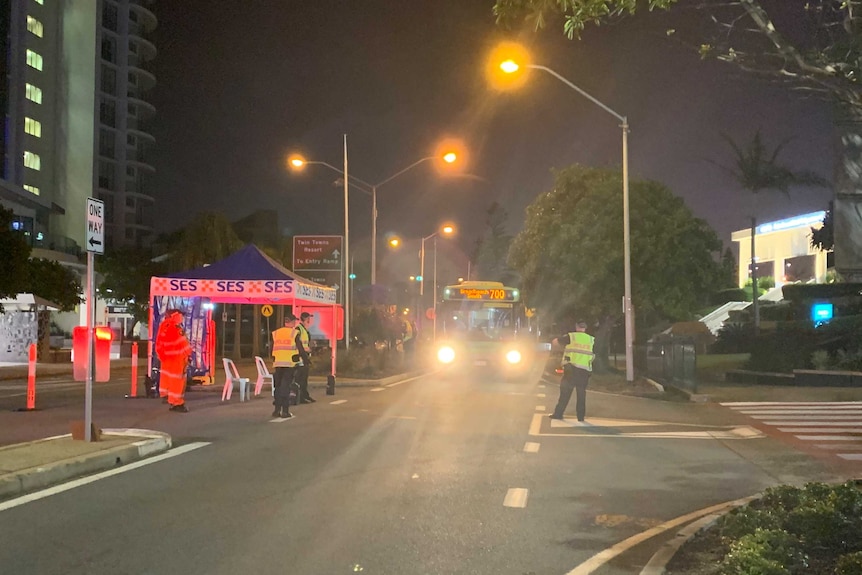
{"points": [[123, 148], [48, 102], [73, 91]]}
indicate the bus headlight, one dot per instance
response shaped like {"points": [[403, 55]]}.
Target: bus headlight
{"points": [[446, 354], [513, 356]]}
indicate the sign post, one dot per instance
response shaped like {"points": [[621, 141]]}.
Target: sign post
{"points": [[95, 243], [320, 259]]}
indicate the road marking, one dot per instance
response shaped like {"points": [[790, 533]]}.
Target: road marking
{"points": [[750, 404], [404, 381], [540, 408], [402, 417], [338, 402], [377, 389], [541, 386], [806, 411], [854, 423], [282, 419], [851, 456], [516, 497], [599, 559], [93, 478], [828, 437], [540, 395], [532, 447], [822, 429], [608, 428], [415, 476]]}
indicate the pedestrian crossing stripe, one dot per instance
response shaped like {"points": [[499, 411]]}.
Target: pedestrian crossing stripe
{"points": [[832, 426], [624, 429]]}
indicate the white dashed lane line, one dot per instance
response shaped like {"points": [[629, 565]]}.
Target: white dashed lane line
{"points": [[378, 389], [338, 402], [531, 447], [516, 497], [540, 408]]}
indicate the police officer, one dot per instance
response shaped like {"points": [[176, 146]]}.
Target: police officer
{"points": [[302, 340], [284, 363], [577, 367]]}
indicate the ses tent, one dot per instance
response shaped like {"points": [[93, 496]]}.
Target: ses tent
{"points": [[248, 276]]}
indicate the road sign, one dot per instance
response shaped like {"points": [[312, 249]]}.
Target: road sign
{"points": [[329, 278], [95, 226], [317, 253], [266, 310]]}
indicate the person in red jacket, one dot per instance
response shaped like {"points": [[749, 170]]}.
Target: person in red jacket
{"points": [[173, 350]]}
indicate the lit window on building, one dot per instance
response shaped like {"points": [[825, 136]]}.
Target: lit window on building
{"points": [[34, 26], [32, 189], [40, 1], [33, 93], [32, 161], [34, 60], [33, 127]]}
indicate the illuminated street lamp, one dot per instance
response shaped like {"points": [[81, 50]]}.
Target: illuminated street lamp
{"points": [[446, 230], [510, 58], [449, 158]]}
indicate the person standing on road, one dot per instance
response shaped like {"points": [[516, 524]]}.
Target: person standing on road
{"points": [[284, 362], [302, 339], [173, 350], [577, 367]]}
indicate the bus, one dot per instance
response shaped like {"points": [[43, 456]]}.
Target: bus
{"points": [[484, 325]]}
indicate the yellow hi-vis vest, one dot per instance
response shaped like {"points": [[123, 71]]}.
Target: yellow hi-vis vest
{"points": [[579, 352], [304, 337], [283, 347]]}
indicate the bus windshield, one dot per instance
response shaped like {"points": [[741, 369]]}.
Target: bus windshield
{"points": [[481, 311]]}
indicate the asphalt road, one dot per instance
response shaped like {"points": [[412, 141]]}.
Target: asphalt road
{"points": [[427, 477]]}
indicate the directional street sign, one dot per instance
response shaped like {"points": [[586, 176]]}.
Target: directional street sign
{"points": [[317, 253], [95, 226], [318, 258]]}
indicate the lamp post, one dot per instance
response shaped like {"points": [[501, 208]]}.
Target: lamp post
{"points": [[298, 162], [446, 230], [449, 158], [510, 66]]}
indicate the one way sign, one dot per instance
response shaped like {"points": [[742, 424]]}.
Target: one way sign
{"points": [[95, 226]]}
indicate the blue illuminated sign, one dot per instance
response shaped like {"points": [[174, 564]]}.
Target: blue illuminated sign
{"points": [[821, 312], [802, 221]]}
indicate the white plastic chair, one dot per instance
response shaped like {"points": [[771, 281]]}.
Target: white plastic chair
{"points": [[263, 376], [232, 376]]}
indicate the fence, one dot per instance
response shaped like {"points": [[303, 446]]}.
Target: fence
{"points": [[669, 361]]}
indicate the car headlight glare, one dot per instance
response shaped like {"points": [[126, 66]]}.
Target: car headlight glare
{"points": [[513, 356], [446, 354]]}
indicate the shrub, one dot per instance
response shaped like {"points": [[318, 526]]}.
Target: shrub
{"points": [[820, 360], [850, 564], [764, 552]]}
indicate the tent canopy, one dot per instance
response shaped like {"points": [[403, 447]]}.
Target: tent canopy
{"points": [[247, 276]]}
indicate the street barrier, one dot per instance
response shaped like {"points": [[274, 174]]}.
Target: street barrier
{"points": [[134, 392], [31, 378]]}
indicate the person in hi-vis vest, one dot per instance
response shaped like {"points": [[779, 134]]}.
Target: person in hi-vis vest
{"points": [[285, 358], [577, 367]]}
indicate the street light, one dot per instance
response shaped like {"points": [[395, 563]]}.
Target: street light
{"points": [[297, 162], [448, 157], [509, 65], [445, 230]]}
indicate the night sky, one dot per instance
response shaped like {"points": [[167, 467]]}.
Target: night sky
{"points": [[242, 84]]}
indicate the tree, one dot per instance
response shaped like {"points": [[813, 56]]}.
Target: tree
{"points": [[14, 265], [570, 252], [493, 248], [126, 279], [757, 170], [812, 46], [823, 239], [208, 238], [51, 280]]}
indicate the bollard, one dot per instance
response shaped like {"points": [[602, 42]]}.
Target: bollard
{"points": [[330, 384], [31, 379], [134, 370]]}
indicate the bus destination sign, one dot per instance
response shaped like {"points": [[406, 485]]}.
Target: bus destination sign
{"points": [[492, 294]]}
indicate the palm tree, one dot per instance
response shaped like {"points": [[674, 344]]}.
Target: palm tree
{"points": [[756, 169]]}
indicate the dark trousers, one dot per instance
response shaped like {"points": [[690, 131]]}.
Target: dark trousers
{"points": [[573, 379], [282, 380], [300, 376]]}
